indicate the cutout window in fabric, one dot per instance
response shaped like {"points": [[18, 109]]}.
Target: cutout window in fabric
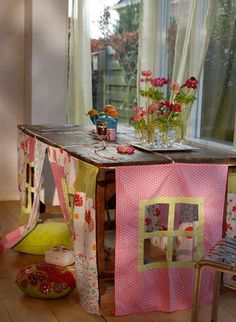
{"points": [[171, 232]]}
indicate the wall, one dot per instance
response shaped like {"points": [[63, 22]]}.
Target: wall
{"points": [[11, 91], [49, 50], [33, 37], [45, 61]]}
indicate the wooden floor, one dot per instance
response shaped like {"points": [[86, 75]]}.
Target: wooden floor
{"points": [[16, 307]]}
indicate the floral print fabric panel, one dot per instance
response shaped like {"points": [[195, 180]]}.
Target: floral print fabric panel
{"points": [[153, 218], [32, 152], [25, 155], [229, 279], [231, 216], [186, 192], [39, 157], [85, 240], [85, 252]]}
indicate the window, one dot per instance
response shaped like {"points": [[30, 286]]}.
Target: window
{"points": [[217, 121], [114, 44], [170, 232], [114, 63], [213, 120]]}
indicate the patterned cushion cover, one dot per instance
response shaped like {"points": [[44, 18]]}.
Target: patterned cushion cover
{"points": [[45, 281]]}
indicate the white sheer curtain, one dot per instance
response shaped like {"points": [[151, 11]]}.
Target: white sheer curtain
{"points": [[152, 36], [218, 121], [194, 21], [79, 92]]}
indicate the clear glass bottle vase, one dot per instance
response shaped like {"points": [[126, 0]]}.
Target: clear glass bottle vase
{"points": [[166, 138]]}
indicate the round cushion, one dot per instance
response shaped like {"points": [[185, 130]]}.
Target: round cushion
{"points": [[45, 281], [59, 256], [44, 237]]}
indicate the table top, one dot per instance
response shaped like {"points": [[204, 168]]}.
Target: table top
{"points": [[83, 143]]}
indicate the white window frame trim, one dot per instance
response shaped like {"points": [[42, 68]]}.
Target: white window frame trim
{"points": [[194, 121]]}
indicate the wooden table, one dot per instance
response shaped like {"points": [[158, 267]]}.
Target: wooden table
{"points": [[78, 140]]}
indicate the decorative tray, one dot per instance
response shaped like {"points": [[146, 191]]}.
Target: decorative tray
{"points": [[175, 148]]}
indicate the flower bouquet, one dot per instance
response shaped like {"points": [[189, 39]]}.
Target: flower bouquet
{"points": [[167, 115]]}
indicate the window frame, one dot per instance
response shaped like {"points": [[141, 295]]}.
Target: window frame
{"points": [[170, 232], [194, 126], [194, 121]]}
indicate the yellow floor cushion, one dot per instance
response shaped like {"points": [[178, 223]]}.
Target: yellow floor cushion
{"points": [[45, 236]]}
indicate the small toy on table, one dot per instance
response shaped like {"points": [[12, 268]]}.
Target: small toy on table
{"points": [[106, 122]]}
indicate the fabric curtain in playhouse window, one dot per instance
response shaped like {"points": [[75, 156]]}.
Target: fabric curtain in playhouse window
{"points": [[172, 214]]}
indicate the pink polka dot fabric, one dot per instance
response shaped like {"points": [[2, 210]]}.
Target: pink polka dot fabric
{"points": [[162, 289]]}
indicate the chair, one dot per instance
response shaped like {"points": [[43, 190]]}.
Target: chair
{"points": [[221, 259]]}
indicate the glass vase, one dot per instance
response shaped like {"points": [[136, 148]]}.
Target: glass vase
{"points": [[185, 115], [166, 138], [150, 136], [147, 137]]}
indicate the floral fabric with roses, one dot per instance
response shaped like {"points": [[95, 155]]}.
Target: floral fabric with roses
{"points": [[229, 279], [84, 224], [71, 175], [31, 154]]}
